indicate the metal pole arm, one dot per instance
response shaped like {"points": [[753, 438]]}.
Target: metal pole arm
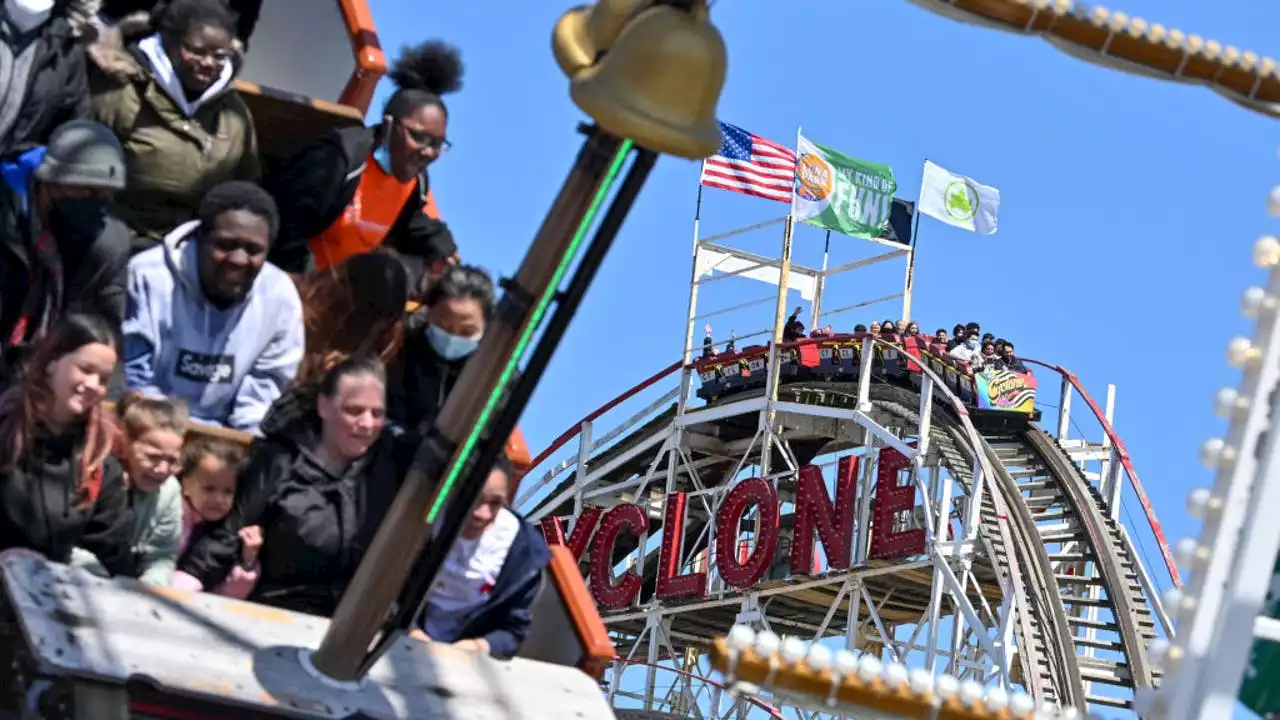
{"points": [[370, 597]]}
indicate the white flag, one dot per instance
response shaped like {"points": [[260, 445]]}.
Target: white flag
{"points": [[958, 200]]}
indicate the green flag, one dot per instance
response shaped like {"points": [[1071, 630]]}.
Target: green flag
{"points": [[836, 192]]}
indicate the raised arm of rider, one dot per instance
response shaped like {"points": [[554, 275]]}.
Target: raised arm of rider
{"points": [[211, 557]]}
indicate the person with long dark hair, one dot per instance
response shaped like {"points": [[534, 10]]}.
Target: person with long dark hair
{"points": [[357, 189], [356, 308], [60, 487]]}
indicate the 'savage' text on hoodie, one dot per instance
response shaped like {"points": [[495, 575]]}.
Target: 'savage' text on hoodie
{"points": [[228, 365]]}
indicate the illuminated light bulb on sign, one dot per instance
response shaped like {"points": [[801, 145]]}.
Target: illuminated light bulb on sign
{"points": [[868, 668], [946, 687], [819, 657], [895, 675], [767, 643], [996, 699], [794, 650], [1021, 704], [970, 693], [921, 681], [741, 637], [1226, 402], [846, 662], [1266, 251], [1212, 452]]}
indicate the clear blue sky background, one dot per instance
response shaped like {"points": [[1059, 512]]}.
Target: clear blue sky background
{"points": [[1129, 206]]}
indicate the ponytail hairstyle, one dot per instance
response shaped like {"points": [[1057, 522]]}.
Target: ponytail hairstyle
{"points": [[423, 74], [355, 365], [139, 415], [28, 400]]}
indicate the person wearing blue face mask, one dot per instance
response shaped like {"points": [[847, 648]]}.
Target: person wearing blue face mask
{"points": [[439, 339], [357, 189]]}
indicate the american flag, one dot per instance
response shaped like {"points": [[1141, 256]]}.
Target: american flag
{"points": [[751, 165]]}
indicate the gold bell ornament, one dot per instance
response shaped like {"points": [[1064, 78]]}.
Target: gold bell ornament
{"points": [[660, 82], [586, 31]]}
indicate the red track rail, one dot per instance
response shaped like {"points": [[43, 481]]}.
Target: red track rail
{"points": [[572, 432], [751, 700], [1123, 453]]}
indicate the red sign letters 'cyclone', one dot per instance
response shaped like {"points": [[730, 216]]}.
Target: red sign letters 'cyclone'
{"points": [[815, 512]]}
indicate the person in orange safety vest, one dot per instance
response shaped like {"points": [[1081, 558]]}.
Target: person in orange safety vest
{"points": [[357, 189]]}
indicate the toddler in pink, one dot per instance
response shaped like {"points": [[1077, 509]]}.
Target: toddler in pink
{"points": [[209, 467]]}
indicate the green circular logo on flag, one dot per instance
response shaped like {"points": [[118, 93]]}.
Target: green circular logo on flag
{"points": [[960, 200]]}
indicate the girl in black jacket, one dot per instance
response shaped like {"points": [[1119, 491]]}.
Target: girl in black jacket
{"points": [[438, 341], [318, 483], [59, 485]]}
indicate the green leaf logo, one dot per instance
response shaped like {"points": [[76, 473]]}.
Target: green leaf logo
{"points": [[961, 201]]}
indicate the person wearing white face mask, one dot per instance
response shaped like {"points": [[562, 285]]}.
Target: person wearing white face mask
{"points": [[43, 80], [968, 352], [439, 339]]}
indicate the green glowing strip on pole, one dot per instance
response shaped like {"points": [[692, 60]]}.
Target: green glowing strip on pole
{"points": [[530, 327]]}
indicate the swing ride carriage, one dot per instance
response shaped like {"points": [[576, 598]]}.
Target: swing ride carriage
{"points": [[831, 526]]}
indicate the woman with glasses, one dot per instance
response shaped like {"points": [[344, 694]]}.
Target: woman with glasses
{"points": [[357, 189], [170, 97]]}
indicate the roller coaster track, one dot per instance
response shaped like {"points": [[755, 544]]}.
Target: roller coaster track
{"points": [[1082, 618]]}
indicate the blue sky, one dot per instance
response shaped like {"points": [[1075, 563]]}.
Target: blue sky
{"points": [[1129, 206]]}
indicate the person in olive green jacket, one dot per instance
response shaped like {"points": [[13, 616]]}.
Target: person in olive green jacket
{"points": [[170, 97]]}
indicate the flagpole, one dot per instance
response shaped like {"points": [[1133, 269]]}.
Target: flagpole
{"points": [[685, 375], [821, 284], [909, 284], [779, 321]]}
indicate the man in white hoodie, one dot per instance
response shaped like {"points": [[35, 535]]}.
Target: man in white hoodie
{"points": [[209, 320]]}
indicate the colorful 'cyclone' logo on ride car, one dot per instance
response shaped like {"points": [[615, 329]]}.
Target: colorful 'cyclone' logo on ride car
{"points": [[814, 177]]}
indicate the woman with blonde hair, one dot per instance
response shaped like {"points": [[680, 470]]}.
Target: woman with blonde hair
{"points": [[151, 451]]}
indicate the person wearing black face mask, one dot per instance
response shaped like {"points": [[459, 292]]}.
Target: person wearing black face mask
{"points": [[59, 250]]}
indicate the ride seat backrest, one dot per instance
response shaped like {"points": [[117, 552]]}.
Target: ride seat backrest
{"points": [[566, 628], [809, 355]]}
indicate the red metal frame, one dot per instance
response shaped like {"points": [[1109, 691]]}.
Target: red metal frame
{"points": [[1123, 453], [371, 63]]}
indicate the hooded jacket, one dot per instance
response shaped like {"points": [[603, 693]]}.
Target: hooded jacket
{"points": [[503, 619], [57, 87], [157, 534], [316, 524], [228, 365], [40, 508], [173, 155], [420, 380], [94, 269], [313, 187]]}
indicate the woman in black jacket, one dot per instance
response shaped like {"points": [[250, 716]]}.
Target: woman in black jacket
{"points": [[357, 189], [438, 340], [59, 485], [318, 484], [44, 75]]}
